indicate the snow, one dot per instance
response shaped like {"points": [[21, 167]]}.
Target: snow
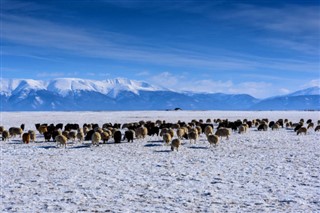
{"points": [[273, 171], [64, 86]]}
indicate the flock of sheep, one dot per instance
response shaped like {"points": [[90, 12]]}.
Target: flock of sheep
{"points": [[171, 133]]}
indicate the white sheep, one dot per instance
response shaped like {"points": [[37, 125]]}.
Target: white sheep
{"points": [[61, 140], [141, 132], [96, 138], [166, 138], [80, 136], [180, 133]]}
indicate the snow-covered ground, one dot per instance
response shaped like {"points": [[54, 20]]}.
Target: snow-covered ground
{"points": [[273, 171]]}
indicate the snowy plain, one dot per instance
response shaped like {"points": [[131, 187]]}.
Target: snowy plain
{"points": [[272, 171]]}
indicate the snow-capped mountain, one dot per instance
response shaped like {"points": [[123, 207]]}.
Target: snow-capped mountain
{"points": [[306, 99], [125, 94]]}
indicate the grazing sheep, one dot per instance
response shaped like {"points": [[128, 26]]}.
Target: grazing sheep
{"points": [[96, 138], [175, 144], [317, 128], [263, 127], [213, 139], [5, 135], [129, 135], [32, 135], [105, 137], [310, 125], [26, 138], [117, 136], [166, 138], [242, 129], [302, 130], [15, 131], [223, 132], [61, 140], [275, 127], [208, 130], [193, 135], [72, 135]]}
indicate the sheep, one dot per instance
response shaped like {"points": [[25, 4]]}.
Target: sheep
{"points": [[96, 138], [213, 139], [310, 125], [42, 129], [72, 135], [166, 138], [180, 133], [208, 130], [32, 135], [15, 131], [47, 136], [171, 132], [263, 127], [105, 136], [223, 132], [163, 131], [175, 144], [302, 130], [61, 140], [5, 135], [1, 129], [141, 132], [117, 136], [129, 135], [242, 129], [193, 135], [275, 126], [80, 136], [26, 138], [317, 128]]}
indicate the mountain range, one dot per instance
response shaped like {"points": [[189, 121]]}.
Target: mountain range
{"points": [[72, 94]]}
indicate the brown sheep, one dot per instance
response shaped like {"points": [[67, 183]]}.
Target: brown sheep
{"points": [[302, 130], [141, 132], [80, 136], [42, 129], [193, 135], [223, 132], [208, 130], [105, 136], [1, 129], [242, 129], [275, 126], [175, 144], [26, 138], [213, 139], [310, 125], [180, 133], [317, 128]]}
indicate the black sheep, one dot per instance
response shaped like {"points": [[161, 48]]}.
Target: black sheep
{"points": [[117, 136]]}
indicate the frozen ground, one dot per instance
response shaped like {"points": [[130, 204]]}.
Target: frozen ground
{"points": [[273, 171]]}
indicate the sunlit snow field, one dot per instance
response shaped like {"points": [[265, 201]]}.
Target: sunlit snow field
{"points": [[273, 171]]}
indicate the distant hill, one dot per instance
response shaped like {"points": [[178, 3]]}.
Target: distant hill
{"points": [[74, 94]]}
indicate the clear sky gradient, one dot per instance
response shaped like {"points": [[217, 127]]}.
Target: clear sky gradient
{"points": [[262, 49]]}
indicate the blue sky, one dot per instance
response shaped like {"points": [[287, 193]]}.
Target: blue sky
{"points": [[262, 49]]}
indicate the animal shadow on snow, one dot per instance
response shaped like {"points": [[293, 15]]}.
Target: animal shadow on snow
{"points": [[152, 145], [198, 147], [47, 147], [162, 151]]}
